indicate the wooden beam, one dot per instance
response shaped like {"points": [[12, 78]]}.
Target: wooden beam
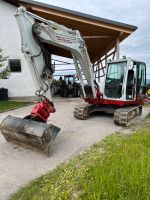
{"points": [[77, 18], [99, 37]]}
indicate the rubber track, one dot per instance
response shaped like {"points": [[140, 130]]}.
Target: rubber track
{"points": [[125, 116], [79, 111]]}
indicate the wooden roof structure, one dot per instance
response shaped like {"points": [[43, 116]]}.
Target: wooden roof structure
{"points": [[100, 34]]}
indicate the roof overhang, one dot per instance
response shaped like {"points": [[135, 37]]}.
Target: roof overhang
{"points": [[100, 34]]}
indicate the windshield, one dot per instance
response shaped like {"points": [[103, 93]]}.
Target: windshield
{"points": [[114, 79]]}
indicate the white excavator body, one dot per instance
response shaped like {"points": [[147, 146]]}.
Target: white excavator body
{"points": [[33, 131]]}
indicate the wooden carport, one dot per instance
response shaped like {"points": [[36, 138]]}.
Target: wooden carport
{"points": [[101, 35]]}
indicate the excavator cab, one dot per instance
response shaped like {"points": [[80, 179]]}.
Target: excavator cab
{"points": [[125, 80], [122, 93]]}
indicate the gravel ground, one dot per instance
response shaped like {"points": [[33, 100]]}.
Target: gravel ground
{"points": [[18, 165]]}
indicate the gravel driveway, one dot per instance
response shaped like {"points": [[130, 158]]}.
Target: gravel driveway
{"points": [[18, 165]]}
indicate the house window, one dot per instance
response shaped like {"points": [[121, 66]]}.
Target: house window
{"points": [[15, 65]]}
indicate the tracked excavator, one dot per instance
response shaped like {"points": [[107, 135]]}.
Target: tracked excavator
{"points": [[122, 93]]}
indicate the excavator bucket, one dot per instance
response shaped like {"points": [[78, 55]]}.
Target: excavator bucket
{"points": [[28, 133]]}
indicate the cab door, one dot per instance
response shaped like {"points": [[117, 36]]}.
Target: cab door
{"points": [[131, 83], [141, 80]]}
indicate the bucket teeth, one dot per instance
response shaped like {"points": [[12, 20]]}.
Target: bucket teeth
{"points": [[28, 133]]}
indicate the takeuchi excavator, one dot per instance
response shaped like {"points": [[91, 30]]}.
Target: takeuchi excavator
{"points": [[122, 93]]}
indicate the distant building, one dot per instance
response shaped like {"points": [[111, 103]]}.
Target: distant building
{"points": [[20, 83]]}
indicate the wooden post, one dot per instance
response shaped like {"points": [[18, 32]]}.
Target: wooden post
{"points": [[117, 49]]}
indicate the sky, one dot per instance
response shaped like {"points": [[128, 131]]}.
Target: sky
{"points": [[137, 13]]}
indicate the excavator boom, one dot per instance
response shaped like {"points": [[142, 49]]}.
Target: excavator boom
{"points": [[33, 131]]}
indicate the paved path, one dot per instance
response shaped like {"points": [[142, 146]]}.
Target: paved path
{"points": [[18, 165]]}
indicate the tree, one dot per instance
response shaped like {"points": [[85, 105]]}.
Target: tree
{"points": [[4, 70]]}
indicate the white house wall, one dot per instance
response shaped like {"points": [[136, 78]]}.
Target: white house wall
{"points": [[20, 84]]}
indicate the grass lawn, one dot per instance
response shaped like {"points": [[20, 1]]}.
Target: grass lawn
{"points": [[6, 105], [147, 104], [118, 168]]}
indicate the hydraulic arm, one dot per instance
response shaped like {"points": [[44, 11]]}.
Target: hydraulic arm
{"points": [[34, 35], [35, 31]]}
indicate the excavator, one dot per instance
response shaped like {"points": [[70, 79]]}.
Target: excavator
{"points": [[122, 93]]}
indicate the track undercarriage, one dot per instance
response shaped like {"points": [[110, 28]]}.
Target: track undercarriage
{"points": [[123, 116]]}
